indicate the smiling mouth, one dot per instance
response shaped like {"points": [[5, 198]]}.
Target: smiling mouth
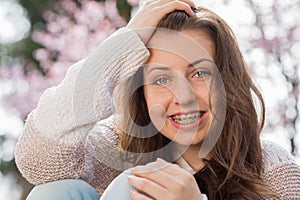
{"points": [[185, 119]]}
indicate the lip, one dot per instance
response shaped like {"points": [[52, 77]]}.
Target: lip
{"points": [[194, 125]]}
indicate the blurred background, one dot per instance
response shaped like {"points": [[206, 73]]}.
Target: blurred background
{"points": [[39, 40]]}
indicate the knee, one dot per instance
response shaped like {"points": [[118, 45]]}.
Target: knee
{"points": [[68, 189], [118, 188]]}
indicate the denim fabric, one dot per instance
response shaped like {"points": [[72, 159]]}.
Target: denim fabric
{"points": [[76, 189], [68, 189]]}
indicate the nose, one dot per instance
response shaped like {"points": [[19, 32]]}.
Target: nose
{"points": [[184, 93]]}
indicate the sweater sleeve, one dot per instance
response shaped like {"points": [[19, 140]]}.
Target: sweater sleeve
{"points": [[53, 143], [281, 172]]}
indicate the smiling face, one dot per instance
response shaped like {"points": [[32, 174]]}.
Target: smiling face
{"points": [[177, 83]]}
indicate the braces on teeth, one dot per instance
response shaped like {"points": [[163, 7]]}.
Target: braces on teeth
{"points": [[187, 119]]}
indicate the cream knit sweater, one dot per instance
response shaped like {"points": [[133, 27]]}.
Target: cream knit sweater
{"points": [[71, 132]]}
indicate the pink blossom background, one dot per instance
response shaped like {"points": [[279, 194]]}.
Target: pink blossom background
{"points": [[67, 38], [268, 33]]}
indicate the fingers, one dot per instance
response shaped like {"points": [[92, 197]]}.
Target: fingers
{"points": [[137, 196], [147, 187], [151, 179], [191, 3], [148, 16], [153, 11], [163, 180], [179, 5], [161, 2], [158, 176], [170, 168], [166, 6], [158, 165], [161, 173]]}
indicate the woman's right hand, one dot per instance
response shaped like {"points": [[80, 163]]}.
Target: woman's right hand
{"points": [[152, 11]]}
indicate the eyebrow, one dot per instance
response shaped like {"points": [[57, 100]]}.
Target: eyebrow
{"points": [[199, 61], [189, 65], [159, 68]]}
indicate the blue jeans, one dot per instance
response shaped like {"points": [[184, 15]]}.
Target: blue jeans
{"points": [[76, 189], [68, 189]]}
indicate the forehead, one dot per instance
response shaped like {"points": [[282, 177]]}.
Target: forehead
{"points": [[190, 45]]}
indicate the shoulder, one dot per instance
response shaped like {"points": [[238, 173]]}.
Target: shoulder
{"points": [[273, 155]]}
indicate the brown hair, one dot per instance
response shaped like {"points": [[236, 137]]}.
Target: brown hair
{"points": [[235, 163]]}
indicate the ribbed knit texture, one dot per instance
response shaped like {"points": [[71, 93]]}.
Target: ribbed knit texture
{"points": [[71, 132], [281, 174]]}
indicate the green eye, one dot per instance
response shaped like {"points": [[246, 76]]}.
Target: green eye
{"points": [[161, 81]]}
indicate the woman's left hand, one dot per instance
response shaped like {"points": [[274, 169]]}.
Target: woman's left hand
{"points": [[161, 180]]}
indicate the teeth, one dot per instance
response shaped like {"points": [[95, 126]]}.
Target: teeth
{"points": [[187, 119]]}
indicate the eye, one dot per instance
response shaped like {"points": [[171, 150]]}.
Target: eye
{"points": [[161, 81], [202, 74]]}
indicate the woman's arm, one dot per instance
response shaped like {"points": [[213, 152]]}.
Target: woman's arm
{"points": [[52, 145], [281, 173]]}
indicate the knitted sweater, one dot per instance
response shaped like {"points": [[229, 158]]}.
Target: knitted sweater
{"points": [[70, 134]]}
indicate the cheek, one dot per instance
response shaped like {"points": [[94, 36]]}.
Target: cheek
{"points": [[157, 104], [202, 93], [155, 97]]}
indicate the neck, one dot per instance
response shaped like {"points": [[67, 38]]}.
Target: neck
{"points": [[191, 156]]}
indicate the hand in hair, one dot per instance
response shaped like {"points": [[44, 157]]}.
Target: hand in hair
{"points": [[152, 11], [161, 180]]}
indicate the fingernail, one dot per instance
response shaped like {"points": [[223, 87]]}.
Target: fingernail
{"points": [[192, 12], [130, 177]]}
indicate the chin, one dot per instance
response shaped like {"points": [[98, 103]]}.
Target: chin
{"points": [[191, 142]]}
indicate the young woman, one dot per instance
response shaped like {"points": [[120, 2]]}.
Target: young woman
{"points": [[183, 111]]}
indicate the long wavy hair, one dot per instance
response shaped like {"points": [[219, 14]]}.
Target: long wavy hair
{"points": [[234, 165]]}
